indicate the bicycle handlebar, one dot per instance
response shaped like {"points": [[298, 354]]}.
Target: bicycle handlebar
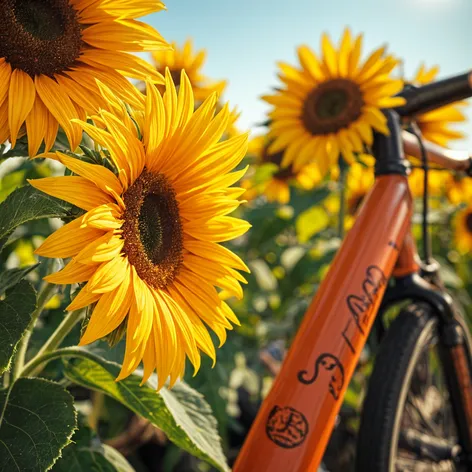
{"points": [[459, 161], [437, 94]]}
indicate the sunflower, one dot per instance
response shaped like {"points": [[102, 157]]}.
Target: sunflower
{"points": [[330, 106], [184, 58], [463, 227], [148, 245], [435, 125], [53, 51], [277, 187]]}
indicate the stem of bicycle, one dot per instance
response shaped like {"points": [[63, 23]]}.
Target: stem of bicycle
{"points": [[45, 294], [34, 367], [343, 168]]}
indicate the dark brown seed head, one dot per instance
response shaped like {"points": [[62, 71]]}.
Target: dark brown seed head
{"points": [[40, 36], [331, 106], [152, 229]]}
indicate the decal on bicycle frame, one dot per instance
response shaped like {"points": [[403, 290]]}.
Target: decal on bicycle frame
{"points": [[359, 306], [286, 427], [328, 363]]}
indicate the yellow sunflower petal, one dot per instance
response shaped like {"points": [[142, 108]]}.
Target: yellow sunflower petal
{"points": [[73, 273], [36, 126], [109, 312], [59, 104], [109, 275], [329, 55], [102, 249], [84, 298], [76, 190], [210, 250], [218, 229], [106, 217], [68, 240], [103, 178], [20, 101], [344, 53], [129, 65], [310, 62], [5, 75], [123, 35]]}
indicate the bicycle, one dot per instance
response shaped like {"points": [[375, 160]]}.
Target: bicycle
{"points": [[417, 414]]}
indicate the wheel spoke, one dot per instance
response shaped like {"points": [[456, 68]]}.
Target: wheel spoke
{"points": [[428, 437]]}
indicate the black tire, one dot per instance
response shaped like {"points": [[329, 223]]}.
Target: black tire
{"points": [[402, 399]]}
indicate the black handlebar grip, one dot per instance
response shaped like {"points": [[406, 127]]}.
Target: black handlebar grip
{"points": [[437, 94]]}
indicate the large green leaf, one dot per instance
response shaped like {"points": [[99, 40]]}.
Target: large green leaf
{"points": [[11, 277], [87, 454], [37, 419], [15, 316], [182, 413], [27, 204]]}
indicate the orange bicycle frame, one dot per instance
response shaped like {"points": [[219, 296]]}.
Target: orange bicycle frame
{"points": [[295, 422]]}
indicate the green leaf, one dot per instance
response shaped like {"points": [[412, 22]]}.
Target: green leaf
{"points": [[181, 413], [27, 204], [87, 454], [15, 316], [116, 459], [37, 419], [11, 277]]}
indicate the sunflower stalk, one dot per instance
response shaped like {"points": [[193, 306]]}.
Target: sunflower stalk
{"points": [[35, 366], [45, 294], [39, 362], [343, 168]]}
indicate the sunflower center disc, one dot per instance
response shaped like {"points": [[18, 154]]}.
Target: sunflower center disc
{"points": [[152, 229], [468, 222], [39, 36], [331, 106]]}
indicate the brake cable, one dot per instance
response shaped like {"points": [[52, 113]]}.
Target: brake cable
{"points": [[427, 254]]}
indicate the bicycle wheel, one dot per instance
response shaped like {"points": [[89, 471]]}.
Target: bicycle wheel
{"points": [[408, 422]]}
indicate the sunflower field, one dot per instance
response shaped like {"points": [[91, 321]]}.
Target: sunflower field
{"points": [[156, 258]]}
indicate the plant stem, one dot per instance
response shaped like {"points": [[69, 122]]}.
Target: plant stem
{"points": [[53, 342], [44, 295], [343, 168], [37, 364]]}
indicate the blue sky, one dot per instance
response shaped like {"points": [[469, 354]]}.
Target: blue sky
{"points": [[245, 38]]}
